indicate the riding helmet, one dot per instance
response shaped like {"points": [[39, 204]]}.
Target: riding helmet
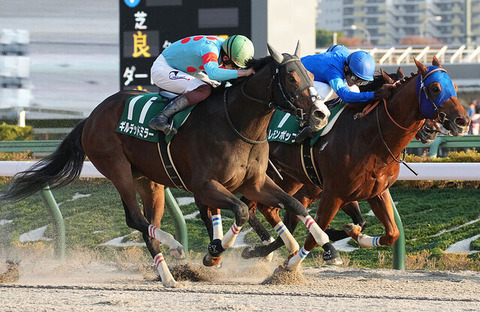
{"points": [[362, 64], [239, 49]]}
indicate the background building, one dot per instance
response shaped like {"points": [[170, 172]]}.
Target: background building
{"points": [[388, 22]]}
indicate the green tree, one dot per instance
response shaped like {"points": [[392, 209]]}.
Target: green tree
{"points": [[324, 38]]}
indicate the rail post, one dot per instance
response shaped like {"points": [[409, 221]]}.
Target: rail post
{"points": [[180, 224], [58, 224], [399, 246]]}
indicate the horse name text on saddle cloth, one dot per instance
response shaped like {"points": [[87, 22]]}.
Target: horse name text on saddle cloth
{"points": [[139, 110], [285, 127]]}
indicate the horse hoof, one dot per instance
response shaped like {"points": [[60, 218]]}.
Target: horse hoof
{"points": [[332, 258], [215, 248], [248, 252], [170, 284], [351, 229], [178, 253], [210, 261]]}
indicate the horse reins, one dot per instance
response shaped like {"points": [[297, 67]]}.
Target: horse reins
{"points": [[271, 104], [247, 140]]}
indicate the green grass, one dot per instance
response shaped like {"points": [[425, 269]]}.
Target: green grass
{"points": [[98, 218]]}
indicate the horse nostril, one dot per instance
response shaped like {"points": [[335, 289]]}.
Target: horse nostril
{"points": [[318, 114], [460, 121]]}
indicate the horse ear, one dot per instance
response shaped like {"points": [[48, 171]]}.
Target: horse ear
{"points": [[400, 73], [436, 62], [422, 70], [297, 49], [386, 77], [275, 54]]}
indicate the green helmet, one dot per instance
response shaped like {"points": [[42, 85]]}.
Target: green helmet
{"points": [[239, 49]]}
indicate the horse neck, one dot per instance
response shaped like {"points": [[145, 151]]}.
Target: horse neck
{"points": [[404, 109], [248, 104]]}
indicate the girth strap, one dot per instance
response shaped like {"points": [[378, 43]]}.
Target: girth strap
{"points": [[308, 164], [167, 161]]}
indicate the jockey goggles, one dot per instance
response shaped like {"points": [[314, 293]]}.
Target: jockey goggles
{"points": [[357, 80]]}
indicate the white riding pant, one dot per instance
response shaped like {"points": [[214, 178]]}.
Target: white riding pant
{"points": [[174, 80], [326, 92]]}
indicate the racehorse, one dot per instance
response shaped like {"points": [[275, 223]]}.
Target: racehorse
{"points": [[220, 150], [310, 193], [359, 158]]}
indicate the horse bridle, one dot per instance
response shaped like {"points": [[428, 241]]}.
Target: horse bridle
{"points": [[424, 90], [287, 98]]}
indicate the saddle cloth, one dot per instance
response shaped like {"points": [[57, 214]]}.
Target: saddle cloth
{"points": [[285, 127], [140, 109]]}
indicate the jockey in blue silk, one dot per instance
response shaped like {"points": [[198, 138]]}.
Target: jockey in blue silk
{"points": [[192, 66], [342, 71]]}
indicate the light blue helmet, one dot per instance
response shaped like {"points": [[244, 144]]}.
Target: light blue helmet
{"points": [[362, 64]]}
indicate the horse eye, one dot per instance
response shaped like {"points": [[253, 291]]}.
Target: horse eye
{"points": [[435, 88]]}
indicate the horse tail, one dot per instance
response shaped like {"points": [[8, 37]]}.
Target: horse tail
{"points": [[57, 169]]}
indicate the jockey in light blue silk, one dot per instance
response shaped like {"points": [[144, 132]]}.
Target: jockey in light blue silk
{"points": [[192, 66]]}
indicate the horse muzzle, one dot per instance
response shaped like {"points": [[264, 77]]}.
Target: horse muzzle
{"points": [[318, 115], [457, 126]]}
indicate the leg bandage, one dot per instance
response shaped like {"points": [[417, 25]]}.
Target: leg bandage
{"points": [[368, 241], [217, 227], [295, 261], [163, 237], [320, 236], [162, 268], [287, 237], [231, 235]]}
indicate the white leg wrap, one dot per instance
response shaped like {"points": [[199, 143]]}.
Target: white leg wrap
{"points": [[368, 241], [162, 268], [320, 236], [269, 257], [217, 227], [163, 237], [295, 261], [287, 237], [231, 235]]}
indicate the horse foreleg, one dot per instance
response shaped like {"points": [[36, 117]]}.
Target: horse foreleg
{"points": [[382, 208], [326, 210], [271, 195], [213, 194], [352, 209]]}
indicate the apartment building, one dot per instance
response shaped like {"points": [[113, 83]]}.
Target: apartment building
{"points": [[387, 22]]}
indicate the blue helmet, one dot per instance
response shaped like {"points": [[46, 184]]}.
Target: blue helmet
{"points": [[362, 65]]}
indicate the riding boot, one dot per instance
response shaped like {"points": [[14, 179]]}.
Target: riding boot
{"points": [[162, 121]]}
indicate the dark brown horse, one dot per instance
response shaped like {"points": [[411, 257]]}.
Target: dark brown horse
{"points": [[359, 159], [220, 150]]}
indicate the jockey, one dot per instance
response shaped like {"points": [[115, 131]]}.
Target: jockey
{"points": [[182, 66], [342, 71]]}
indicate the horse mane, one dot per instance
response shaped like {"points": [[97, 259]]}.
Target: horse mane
{"points": [[258, 64]]}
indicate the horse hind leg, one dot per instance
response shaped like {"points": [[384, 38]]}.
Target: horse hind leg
{"points": [[153, 199]]}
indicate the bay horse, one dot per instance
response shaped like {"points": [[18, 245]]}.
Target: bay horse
{"points": [[359, 159], [310, 193], [219, 151]]}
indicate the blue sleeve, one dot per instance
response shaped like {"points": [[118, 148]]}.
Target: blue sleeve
{"points": [[341, 89]]}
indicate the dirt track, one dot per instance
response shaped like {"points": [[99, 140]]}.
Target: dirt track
{"points": [[95, 286]]}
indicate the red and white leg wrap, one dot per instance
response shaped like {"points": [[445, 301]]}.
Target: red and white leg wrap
{"points": [[163, 237], [162, 268], [231, 235], [320, 236]]}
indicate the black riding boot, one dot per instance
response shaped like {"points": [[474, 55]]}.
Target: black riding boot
{"points": [[161, 121]]}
